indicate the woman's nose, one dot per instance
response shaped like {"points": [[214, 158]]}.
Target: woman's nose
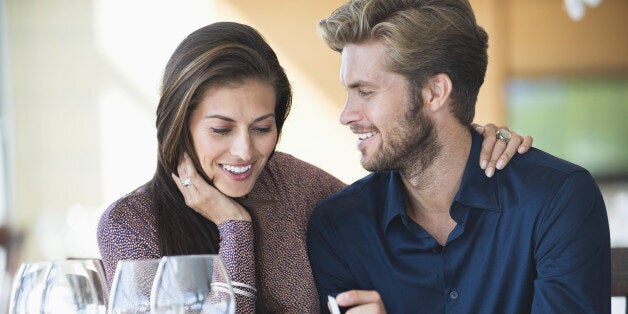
{"points": [[241, 147]]}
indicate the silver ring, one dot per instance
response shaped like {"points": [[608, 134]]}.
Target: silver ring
{"points": [[186, 182], [504, 135]]}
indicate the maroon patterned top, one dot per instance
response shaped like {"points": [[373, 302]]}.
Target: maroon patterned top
{"points": [[281, 204]]}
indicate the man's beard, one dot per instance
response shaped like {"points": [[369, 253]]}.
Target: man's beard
{"points": [[411, 146]]}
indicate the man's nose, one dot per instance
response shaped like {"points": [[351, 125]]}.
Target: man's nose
{"points": [[349, 112]]}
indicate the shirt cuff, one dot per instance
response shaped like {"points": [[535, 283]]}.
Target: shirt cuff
{"points": [[237, 251]]}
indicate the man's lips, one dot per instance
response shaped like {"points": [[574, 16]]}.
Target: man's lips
{"points": [[364, 137]]}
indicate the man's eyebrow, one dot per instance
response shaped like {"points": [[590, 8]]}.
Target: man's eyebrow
{"points": [[358, 84]]}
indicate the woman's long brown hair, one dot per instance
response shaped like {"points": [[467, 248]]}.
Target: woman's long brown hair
{"points": [[212, 56]]}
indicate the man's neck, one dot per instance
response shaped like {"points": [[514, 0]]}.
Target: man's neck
{"points": [[430, 192]]}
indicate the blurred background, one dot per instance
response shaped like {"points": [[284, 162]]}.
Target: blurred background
{"points": [[79, 85]]}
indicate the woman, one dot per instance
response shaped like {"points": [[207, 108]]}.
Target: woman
{"points": [[223, 103]]}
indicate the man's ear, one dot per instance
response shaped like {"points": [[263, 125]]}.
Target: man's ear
{"points": [[438, 91]]}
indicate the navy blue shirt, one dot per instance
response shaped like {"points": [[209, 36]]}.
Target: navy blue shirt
{"points": [[534, 238]]}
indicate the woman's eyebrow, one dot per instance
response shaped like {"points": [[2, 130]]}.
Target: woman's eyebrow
{"points": [[266, 116], [221, 117]]}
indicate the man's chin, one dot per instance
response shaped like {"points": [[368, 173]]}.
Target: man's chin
{"points": [[365, 164], [370, 165]]}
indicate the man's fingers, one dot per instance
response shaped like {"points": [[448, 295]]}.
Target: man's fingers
{"points": [[357, 297], [367, 308], [361, 301], [487, 145], [478, 128], [525, 146], [510, 150], [498, 148]]}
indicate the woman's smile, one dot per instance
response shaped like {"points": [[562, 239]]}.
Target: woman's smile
{"points": [[234, 133]]}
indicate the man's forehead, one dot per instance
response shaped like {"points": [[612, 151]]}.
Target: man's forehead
{"points": [[362, 64], [372, 52]]}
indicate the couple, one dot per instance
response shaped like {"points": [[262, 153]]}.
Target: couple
{"points": [[429, 230]]}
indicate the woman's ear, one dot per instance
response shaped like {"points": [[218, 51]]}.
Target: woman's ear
{"points": [[438, 90]]}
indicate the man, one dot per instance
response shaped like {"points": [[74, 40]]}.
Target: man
{"points": [[427, 231]]}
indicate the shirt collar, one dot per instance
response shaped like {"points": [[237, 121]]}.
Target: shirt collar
{"points": [[476, 190], [395, 204]]}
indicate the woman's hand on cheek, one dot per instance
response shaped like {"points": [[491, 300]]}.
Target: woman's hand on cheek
{"points": [[205, 198], [497, 153]]}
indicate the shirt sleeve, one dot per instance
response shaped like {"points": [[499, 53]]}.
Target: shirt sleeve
{"points": [[123, 234], [331, 273], [236, 251], [573, 251]]}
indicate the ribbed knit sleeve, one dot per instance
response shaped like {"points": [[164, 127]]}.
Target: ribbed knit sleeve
{"points": [[236, 251], [268, 255], [126, 231], [285, 196]]}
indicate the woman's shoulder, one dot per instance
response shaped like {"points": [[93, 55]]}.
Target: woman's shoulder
{"points": [[284, 163], [127, 230], [287, 172], [135, 208]]}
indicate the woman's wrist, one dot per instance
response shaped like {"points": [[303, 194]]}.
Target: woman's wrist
{"points": [[240, 216]]}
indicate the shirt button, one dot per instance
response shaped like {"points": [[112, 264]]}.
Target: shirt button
{"points": [[453, 294], [437, 249]]}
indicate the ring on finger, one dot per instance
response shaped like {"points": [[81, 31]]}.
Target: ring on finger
{"points": [[504, 135], [186, 182]]}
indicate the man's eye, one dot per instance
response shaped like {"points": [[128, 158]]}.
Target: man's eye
{"points": [[220, 131], [364, 94]]}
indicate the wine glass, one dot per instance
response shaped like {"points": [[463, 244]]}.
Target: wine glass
{"points": [[192, 284], [131, 286], [70, 286], [28, 287]]}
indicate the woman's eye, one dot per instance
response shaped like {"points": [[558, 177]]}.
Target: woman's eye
{"points": [[263, 130], [364, 94], [220, 131]]}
